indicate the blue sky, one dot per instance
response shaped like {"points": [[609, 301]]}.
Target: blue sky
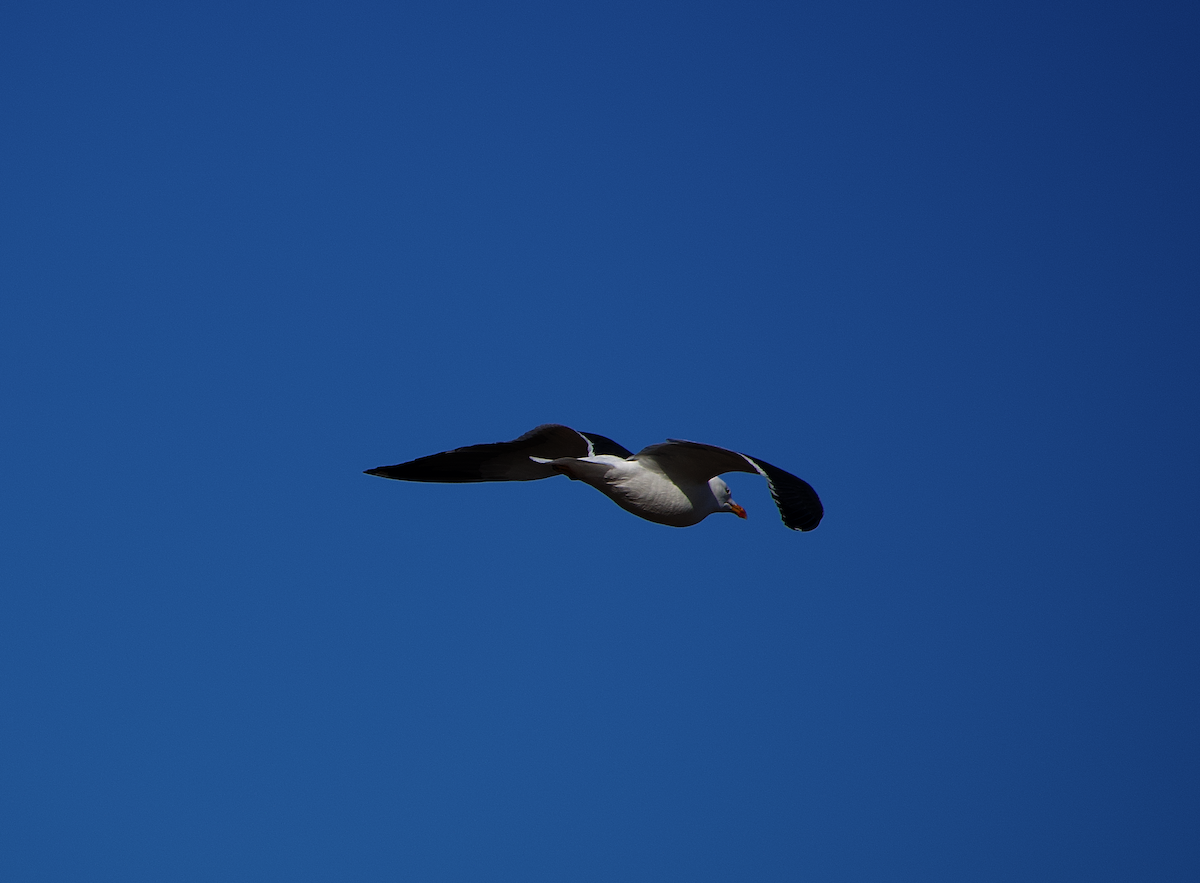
{"points": [[939, 261]]}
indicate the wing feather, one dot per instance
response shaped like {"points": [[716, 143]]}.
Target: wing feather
{"points": [[798, 503], [502, 461]]}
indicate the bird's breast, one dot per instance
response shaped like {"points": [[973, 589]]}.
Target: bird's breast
{"points": [[656, 498]]}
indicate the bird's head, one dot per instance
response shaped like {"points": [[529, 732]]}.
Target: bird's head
{"points": [[725, 498]]}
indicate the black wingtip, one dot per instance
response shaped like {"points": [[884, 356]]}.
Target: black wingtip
{"points": [[798, 503], [381, 471]]}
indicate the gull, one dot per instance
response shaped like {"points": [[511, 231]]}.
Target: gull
{"points": [[674, 483]]}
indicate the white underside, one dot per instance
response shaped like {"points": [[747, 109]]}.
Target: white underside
{"points": [[642, 489]]}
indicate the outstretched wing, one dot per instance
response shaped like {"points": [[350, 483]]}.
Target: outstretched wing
{"points": [[798, 503], [504, 461]]}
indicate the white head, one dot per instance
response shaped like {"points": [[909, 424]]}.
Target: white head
{"points": [[725, 498]]}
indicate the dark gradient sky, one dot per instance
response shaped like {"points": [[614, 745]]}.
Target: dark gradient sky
{"points": [[942, 262]]}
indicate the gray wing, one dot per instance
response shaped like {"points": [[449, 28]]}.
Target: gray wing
{"points": [[504, 461], [798, 503]]}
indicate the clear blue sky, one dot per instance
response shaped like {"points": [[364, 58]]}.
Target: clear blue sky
{"points": [[940, 260]]}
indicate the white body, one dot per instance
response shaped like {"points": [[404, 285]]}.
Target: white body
{"points": [[641, 487]]}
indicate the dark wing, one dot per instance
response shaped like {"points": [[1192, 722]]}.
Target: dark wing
{"points": [[798, 503], [602, 445], [503, 461]]}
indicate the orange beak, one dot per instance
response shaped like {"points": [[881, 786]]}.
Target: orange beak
{"points": [[737, 510]]}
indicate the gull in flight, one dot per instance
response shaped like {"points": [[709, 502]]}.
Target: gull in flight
{"points": [[675, 483]]}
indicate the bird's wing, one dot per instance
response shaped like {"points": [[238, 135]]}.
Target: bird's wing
{"points": [[798, 503], [504, 461], [601, 445]]}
